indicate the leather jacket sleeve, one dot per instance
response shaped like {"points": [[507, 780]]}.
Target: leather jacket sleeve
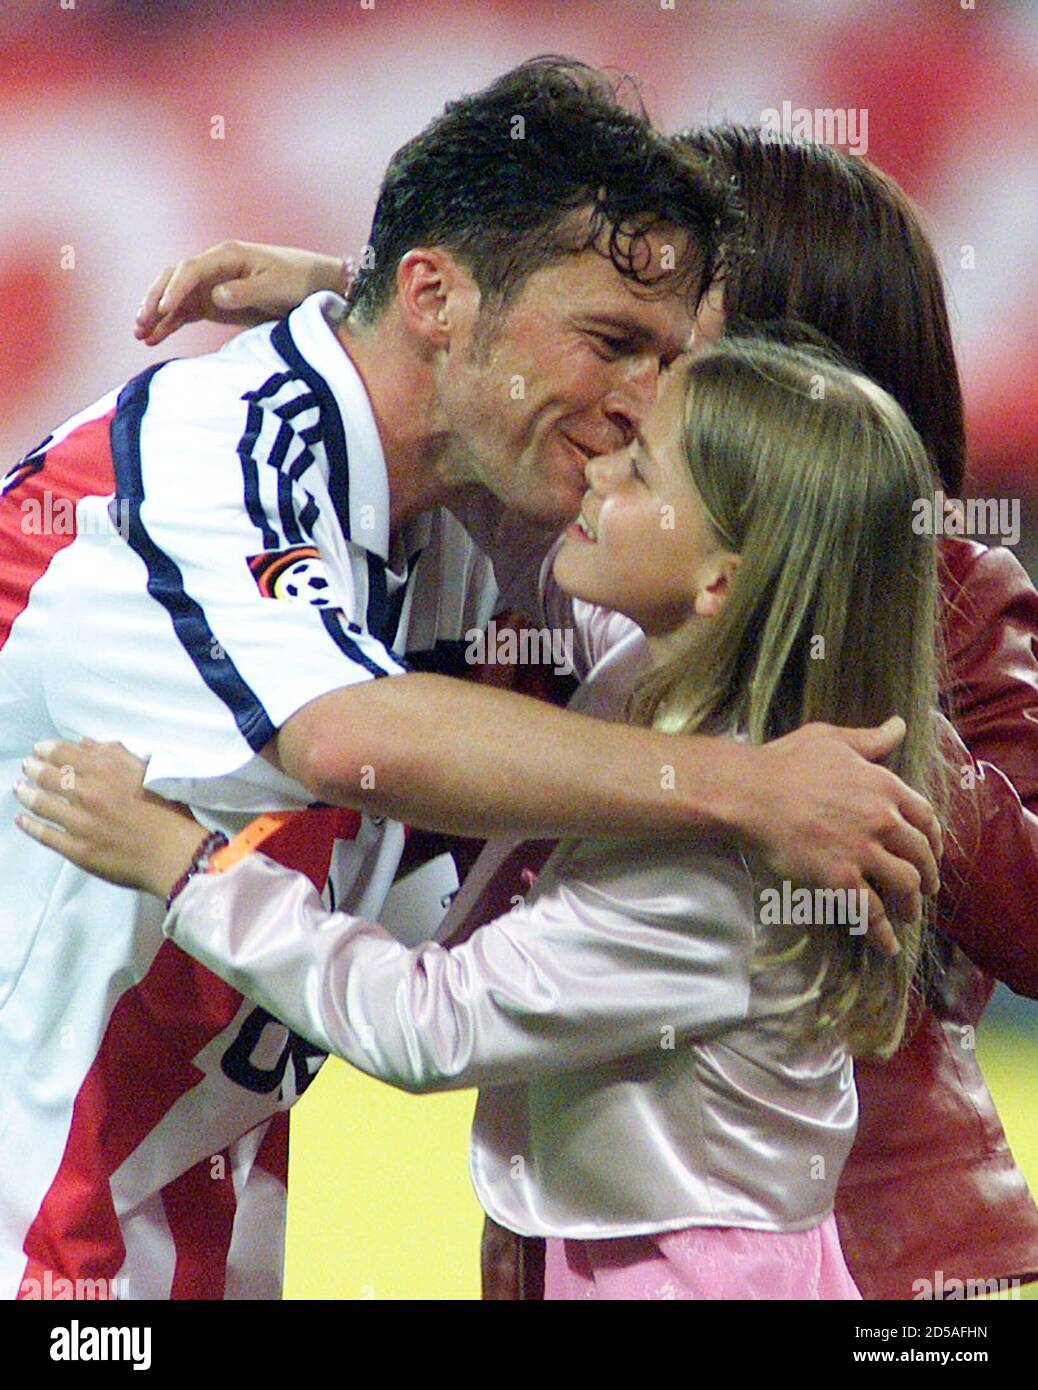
{"points": [[989, 895]]}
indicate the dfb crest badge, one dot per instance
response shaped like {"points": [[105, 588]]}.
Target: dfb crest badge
{"points": [[297, 575]]}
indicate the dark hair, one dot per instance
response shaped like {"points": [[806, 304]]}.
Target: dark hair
{"points": [[500, 178], [838, 245]]}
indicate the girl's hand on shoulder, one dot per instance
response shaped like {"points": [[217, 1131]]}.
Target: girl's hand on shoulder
{"points": [[87, 801], [239, 282]]}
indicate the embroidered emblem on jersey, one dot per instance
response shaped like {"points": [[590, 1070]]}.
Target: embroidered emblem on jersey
{"points": [[296, 575]]}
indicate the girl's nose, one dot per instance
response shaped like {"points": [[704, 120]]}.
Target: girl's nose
{"points": [[607, 471]]}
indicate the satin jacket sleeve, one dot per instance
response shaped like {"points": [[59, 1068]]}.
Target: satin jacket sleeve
{"points": [[593, 968]]}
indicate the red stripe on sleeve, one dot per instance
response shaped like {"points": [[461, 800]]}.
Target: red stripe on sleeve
{"points": [[37, 512]]}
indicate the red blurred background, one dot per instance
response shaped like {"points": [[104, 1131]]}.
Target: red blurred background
{"points": [[110, 168]]}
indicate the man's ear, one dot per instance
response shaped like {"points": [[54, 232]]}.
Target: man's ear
{"points": [[437, 296], [718, 573]]}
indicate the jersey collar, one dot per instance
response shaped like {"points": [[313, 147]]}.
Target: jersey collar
{"points": [[312, 326]]}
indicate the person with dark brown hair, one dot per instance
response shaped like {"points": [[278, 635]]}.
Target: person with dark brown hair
{"points": [[931, 1192]]}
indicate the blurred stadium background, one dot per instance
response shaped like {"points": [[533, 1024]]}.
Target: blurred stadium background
{"points": [[136, 131]]}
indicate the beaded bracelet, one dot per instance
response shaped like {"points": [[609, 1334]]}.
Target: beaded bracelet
{"points": [[200, 861]]}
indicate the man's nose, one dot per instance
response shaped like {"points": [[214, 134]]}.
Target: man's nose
{"points": [[634, 396]]}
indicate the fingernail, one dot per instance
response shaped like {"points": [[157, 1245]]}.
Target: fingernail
{"points": [[45, 747]]}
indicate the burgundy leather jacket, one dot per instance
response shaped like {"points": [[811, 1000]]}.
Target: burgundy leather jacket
{"points": [[931, 1184]]}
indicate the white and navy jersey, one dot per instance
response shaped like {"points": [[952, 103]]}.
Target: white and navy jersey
{"points": [[183, 566]]}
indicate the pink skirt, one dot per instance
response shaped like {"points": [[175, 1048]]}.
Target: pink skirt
{"points": [[710, 1262]]}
